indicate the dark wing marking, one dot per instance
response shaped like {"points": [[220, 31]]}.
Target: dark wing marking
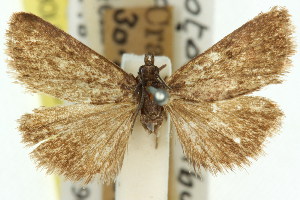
{"points": [[49, 60], [225, 134], [251, 57], [80, 141]]}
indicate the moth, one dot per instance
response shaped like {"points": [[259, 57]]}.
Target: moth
{"points": [[219, 126]]}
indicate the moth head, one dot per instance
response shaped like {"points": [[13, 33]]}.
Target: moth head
{"points": [[149, 59]]}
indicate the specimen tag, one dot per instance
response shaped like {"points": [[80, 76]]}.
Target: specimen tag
{"points": [[53, 11], [137, 30]]}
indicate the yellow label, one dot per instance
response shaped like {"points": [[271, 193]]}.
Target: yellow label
{"points": [[55, 12]]}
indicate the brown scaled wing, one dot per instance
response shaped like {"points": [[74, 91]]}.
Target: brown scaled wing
{"points": [[81, 140], [217, 127], [46, 59], [246, 60]]}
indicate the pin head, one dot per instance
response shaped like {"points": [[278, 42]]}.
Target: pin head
{"points": [[160, 96]]}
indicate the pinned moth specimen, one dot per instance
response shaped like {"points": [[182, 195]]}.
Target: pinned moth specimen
{"points": [[219, 127]]}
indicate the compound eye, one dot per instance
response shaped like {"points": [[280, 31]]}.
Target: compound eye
{"points": [[141, 70], [157, 70]]}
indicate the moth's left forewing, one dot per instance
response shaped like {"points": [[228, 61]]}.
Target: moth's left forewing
{"points": [[225, 134]]}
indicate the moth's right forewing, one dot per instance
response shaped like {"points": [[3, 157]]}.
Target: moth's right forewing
{"points": [[46, 59]]}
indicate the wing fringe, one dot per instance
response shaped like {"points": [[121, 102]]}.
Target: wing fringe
{"points": [[80, 141], [226, 134]]}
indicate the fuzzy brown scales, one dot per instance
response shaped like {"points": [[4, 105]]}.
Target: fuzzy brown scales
{"points": [[218, 128], [224, 134], [33, 42], [80, 140], [249, 58]]}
